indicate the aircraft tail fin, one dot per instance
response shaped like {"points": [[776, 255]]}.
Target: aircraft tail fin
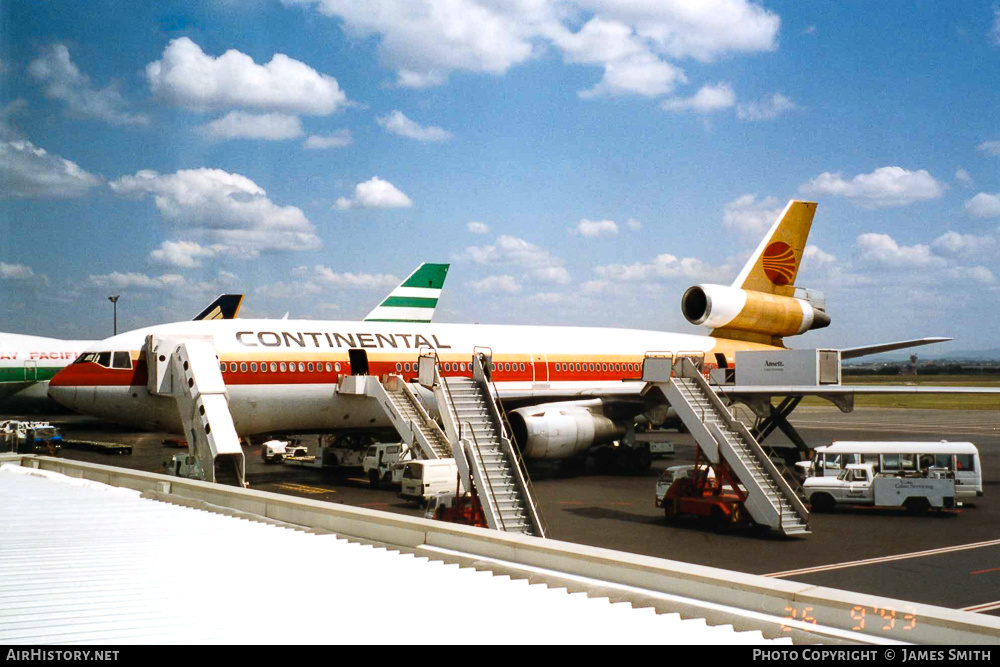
{"points": [[415, 299], [773, 266], [225, 307]]}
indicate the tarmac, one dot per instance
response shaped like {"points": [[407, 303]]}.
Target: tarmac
{"points": [[951, 560]]}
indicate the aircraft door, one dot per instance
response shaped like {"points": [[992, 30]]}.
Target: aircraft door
{"points": [[30, 371], [359, 361], [539, 368]]}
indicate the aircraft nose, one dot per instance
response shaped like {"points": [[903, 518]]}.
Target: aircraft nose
{"points": [[63, 388]]}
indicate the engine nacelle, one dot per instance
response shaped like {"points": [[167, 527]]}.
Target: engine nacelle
{"points": [[719, 306], [558, 432]]}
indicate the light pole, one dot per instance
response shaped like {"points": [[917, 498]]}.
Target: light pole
{"points": [[114, 300]]}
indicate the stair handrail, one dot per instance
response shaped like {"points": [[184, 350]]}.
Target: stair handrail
{"points": [[419, 408], [751, 442], [444, 383], [507, 433], [482, 466]]}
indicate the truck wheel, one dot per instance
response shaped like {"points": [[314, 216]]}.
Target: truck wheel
{"points": [[605, 460], [821, 502], [373, 479], [917, 506]]}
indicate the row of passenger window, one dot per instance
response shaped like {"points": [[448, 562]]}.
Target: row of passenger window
{"points": [[278, 366], [506, 367], [604, 368]]}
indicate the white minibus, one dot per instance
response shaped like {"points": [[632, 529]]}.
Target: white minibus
{"points": [[902, 458]]}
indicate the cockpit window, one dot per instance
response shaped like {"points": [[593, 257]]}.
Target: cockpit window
{"points": [[120, 359]]}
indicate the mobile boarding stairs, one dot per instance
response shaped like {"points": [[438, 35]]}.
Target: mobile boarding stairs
{"points": [[474, 434], [187, 370], [770, 500]]}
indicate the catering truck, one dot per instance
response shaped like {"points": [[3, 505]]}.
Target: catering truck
{"points": [[858, 484]]}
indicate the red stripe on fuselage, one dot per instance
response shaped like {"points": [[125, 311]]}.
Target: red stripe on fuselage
{"points": [[92, 375]]}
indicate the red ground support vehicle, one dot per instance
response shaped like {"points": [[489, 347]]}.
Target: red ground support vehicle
{"points": [[454, 508], [706, 491]]}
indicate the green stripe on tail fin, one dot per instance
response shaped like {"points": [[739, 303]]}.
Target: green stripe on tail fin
{"points": [[415, 299]]}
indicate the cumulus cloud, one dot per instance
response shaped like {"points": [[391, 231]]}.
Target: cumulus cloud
{"points": [[496, 284], [338, 139], [375, 193], [425, 40], [533, 261], [241, 125], [767, 109], [883, 250], [188, 77], [123, 281], [814, 256], [595, 228], [962, 178], [662, 266], [21, 273], [634, 224], [224, 208], [883, 188], [397, 123], [706, 100], [984, 205], [990, 148], [29, 172], [327, 276], [630, 67], [188, 254], [64, 81], [750, 217], [954, 244], [477, 228]]}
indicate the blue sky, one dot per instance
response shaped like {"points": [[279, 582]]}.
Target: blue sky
{"points": [[577, 161]]}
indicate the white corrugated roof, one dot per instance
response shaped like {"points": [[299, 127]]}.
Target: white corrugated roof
{"points": [[85, 562]]}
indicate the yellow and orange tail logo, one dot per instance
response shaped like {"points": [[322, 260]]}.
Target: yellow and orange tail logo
{"points": [[779, 263], [773, 266]]}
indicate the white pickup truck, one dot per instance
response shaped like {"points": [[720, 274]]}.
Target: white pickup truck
{"points": [[857, 484]]}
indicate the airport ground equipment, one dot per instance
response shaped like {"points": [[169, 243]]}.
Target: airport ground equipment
{"points": [[384, 463], [727, 446], [187, 371], [275, 451], [488, 463], [858, 484], [29, 437]]}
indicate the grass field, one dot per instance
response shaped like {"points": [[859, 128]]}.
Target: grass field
{"points": [[938, 401]]}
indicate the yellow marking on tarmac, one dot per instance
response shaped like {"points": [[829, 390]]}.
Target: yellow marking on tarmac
{"points": [[302, 488], [882, 559]]}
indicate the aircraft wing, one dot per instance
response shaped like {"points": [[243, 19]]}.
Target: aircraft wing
{"points": [[630, 391], [225, 307], [865, 350]]}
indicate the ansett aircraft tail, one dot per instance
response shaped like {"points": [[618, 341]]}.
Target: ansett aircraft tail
{"points": [[225, 307], [763, 305], [415, 299]]}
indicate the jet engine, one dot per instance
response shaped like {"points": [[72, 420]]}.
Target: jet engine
{"points": [[719, 306], [559, 431]]}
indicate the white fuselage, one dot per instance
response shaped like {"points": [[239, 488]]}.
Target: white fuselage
{"points": [[530, 361]]}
